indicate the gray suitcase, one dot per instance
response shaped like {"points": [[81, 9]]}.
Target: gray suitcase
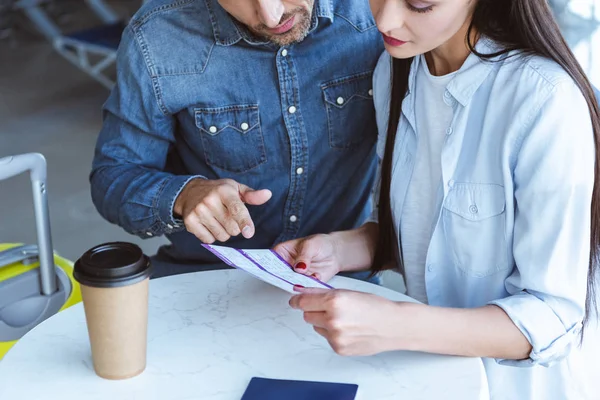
{"points": [[34, 283]]}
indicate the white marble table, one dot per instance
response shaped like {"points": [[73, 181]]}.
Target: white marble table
{"points": [[209, 334]]}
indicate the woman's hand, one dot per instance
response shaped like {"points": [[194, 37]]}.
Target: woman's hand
{"points": [[360, 324], [324, 256], [354, 323], [315, 256]]}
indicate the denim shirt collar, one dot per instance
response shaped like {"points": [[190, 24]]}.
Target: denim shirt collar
{"points": [[229, 31]]}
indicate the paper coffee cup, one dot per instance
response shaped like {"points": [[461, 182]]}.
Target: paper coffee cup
{"points": [[114, 281]]}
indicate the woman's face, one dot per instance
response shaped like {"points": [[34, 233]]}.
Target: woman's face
{"points": [[413, 27], [283, 22]]}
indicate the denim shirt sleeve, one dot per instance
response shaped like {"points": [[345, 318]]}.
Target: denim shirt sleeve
{"points": [[128, 182], [554, 179]]}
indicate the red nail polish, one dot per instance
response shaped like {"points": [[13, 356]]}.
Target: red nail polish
{"points": [[301, 265], [298, 287]]}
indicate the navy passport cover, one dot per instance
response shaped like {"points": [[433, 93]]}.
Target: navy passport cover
{"points": [[273, 389]]}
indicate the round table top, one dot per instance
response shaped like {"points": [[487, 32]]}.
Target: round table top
{"points": [[211, 332]]}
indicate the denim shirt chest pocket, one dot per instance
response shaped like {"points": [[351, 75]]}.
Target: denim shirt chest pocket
{"points": [[474, 223], [349, 103], [231, 137]]}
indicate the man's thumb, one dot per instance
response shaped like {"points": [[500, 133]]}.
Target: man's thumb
{"points": [[254, 197]]}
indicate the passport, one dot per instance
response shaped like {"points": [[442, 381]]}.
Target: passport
{"points": [[275, 389]]}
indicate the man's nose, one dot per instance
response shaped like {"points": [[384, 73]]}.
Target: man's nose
{"points": [[270, 12]]}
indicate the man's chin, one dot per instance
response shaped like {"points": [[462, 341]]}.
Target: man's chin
{"points": [[295, 35], [288, 38]]}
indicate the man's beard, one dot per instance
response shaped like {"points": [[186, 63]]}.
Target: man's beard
{"points": [[295, 35]]}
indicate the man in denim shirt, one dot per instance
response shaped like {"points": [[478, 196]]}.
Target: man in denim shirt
{"points": [[239, 121]]}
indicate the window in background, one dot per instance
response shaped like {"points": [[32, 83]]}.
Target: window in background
{"points": [[580, 24]]}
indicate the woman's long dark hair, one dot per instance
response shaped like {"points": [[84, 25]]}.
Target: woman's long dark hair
{"points": [[529, 27]]}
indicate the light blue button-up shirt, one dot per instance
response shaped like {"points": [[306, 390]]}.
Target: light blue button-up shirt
{"points": [[513, 228]]}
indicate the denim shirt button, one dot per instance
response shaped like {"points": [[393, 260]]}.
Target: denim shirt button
{"points": [[149, 234], [292, 110], [169, 226], [284, 52], [245, 126], [293, 218], [213, 129], [299, 171], [370, 92], [340, 100]]}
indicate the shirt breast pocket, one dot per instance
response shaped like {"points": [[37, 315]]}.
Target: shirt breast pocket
{"points": [[231, 137], [474, 226], [350, 110]]}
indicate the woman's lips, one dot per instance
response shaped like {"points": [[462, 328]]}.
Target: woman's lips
{"points": [[391, 41]]}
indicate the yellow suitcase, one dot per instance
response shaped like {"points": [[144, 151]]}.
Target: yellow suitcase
{"points": [[34, 282]]}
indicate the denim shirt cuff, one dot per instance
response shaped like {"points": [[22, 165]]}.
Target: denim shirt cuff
{"points": [[166, 202], [551, 341]]}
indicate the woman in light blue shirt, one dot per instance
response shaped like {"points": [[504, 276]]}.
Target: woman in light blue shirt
{"points": [[488, 198]]}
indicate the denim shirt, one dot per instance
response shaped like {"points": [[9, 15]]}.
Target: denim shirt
{"points": [[513, 223], [198, 95]]}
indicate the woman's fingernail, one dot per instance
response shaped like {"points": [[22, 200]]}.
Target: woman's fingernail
{"points": [[301, 265], [247, 232], [298, 287]]}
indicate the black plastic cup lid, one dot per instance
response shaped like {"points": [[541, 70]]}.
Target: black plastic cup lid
{"points": [[112, 265]]}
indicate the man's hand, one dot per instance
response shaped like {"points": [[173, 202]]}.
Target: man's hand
{"points": [[216, 209]]}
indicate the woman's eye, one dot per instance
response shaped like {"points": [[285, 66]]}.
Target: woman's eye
{"points": [[420, 10]]}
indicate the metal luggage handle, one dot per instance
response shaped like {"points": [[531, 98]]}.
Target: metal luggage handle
{"points": [[35, 163], [25, 254]]}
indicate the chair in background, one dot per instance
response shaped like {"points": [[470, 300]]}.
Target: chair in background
{"points": [[92, 50], [6, 17]]}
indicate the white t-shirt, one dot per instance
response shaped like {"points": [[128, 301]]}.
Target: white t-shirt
{"points": [[419, 215]]}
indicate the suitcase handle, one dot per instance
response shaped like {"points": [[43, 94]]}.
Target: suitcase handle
{"points": [[35, 163], [25, 254]]}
